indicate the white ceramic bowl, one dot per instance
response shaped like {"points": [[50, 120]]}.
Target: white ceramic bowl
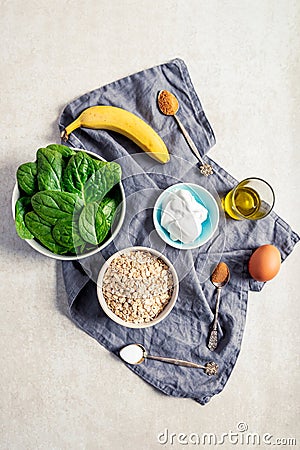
{"points": [[165, 312], [118, 221], [203, 197]]}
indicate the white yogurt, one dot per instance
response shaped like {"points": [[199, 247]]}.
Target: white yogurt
{"points": [[132, 354], [182, 216]]}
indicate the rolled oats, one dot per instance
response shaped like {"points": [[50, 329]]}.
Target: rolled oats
{"points": [[137, 286]]}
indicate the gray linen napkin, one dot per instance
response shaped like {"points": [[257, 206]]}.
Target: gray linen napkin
{"points": [[183, 334]]}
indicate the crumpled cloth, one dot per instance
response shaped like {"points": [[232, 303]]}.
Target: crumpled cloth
{"points": [[183, 334]]}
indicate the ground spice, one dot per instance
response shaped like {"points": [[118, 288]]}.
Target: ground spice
{"points": [[168, 103], [220, 273]]}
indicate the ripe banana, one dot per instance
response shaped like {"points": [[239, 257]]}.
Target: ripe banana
{"points": [[123, 122]]}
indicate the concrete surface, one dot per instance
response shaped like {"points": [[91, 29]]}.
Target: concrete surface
{"points": [[59, 388]]}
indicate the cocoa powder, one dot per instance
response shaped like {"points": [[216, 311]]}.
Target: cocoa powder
{"points": [[168, 103], [220, 273]]}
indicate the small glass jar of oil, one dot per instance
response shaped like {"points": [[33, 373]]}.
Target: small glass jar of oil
{"points": [[252, 198]]}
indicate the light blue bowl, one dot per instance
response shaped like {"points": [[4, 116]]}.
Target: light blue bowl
{"points": [[203, 197]]}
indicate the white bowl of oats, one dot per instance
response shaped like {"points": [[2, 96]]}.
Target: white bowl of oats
{"points": [[137, 287]]}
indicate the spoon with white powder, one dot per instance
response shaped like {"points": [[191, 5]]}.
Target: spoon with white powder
{"points": [[136, 354]]}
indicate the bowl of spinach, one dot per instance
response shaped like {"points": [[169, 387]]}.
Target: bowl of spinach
{"points": [[68, 204]]}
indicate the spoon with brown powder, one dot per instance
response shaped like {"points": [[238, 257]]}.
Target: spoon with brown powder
{"points": [[219, 278], [169, 105]]}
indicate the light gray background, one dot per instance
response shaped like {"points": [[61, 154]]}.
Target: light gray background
{"points": [[59, 389]]}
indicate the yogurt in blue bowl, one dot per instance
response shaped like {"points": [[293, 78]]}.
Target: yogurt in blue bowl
{"points": [[186, 215]]}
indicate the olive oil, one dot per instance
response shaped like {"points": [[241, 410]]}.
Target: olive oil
{"points": [[243, 203]]}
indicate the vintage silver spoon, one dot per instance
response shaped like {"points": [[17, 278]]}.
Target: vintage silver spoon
{"points": [[219, 278], [136, 354], [169, 105]]}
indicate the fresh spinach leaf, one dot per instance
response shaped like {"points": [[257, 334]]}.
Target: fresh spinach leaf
{"points": [[23, 205], [49, 169], [65, 151], [101, 182], [101, 225], [93, 226], [42, 231], [109, 206], [54, 205], [85, 248], [27, 178], [65, 233], [71, 200], [98, 163], [79, 169]]}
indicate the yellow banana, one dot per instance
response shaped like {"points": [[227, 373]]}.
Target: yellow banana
{"points": [[123, 122]]}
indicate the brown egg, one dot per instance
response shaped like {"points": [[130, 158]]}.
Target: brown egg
{"points": [[264, 263]]}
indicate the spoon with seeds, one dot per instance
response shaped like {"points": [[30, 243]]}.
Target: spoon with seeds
{"points": [[169, 105], [136, 354], [219, 278]]}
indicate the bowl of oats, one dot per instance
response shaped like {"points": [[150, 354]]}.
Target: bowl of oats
{"points": [[137, 287]]}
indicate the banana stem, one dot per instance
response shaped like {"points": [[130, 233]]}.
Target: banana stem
{"points": [[73, 126]]}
